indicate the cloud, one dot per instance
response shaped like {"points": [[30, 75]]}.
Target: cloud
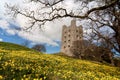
{"points": [[11, 31], [1, 40], [4, 24], [48, 35], [54, 29], [36, 35]]}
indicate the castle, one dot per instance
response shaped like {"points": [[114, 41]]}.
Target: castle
{"points": [[70, 34]]}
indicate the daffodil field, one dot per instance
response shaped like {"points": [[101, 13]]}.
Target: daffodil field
{"points": [[26, 64]]}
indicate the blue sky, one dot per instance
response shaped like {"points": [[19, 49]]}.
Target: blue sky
{"points": [[6, 37]]}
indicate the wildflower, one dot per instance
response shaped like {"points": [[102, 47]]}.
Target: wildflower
{"points": [[1, 77]]}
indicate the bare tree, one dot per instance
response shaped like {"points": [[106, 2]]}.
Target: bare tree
{"points": [[89, 51], [39, 47], [106, 13]]}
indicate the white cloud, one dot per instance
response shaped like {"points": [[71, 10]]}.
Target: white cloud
{"points": [[2, 6], [1, 40], [4, 24], [54, 29], [11, 31], [36, 36], [49, 34]]}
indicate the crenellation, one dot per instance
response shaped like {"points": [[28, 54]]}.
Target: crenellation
{"points": [[73, 23]]}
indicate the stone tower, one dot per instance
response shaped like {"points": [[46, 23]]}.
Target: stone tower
{"points": [[69, 35]]}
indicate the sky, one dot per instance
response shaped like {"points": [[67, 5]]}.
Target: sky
{"points": [[49, 35]]}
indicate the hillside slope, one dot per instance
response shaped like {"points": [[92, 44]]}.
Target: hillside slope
{"points": [[25, 64], [10, 46]]}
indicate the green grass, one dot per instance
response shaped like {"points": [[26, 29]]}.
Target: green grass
{"points": [[20, 63], [11, 46]]}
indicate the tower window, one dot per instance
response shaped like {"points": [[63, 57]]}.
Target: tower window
{"points": [[64, 36], [80, 37], [64, 41], [69, 30], [77, 36], [76, 30], [64, 47], [68, 40], [68, 45], [69, 35], [80, 32]]}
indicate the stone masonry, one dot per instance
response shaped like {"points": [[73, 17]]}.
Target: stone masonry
{"points": [[69, 35]]}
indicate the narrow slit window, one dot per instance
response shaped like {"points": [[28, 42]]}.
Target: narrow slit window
{"points": [[69, 30], [64, 36], [69, 35], [68, 45], [77, 36], [64, 41]]}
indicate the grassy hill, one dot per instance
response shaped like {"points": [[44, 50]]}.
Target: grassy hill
{"points": [[10, 46], [20, 63]]}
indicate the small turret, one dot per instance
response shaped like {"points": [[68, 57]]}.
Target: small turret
{"points": [[73, 23]]}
